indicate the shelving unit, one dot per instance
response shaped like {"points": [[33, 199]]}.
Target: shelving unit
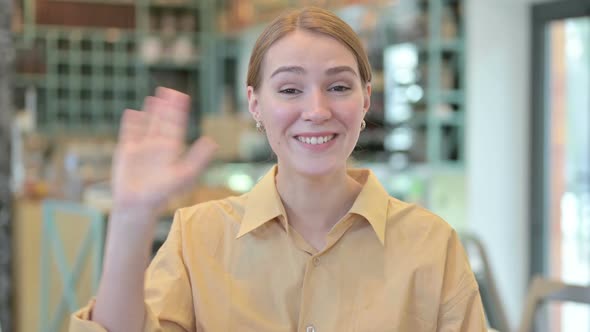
{"points": [[435, 97], [84, 77], [175, 31], [85, 86], [90, 75]]}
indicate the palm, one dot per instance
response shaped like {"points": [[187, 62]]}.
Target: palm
{"points": [[149, 164]]}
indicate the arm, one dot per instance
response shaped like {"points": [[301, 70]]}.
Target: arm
{"points": [[165, 304], [149, 166], [120, 298]]}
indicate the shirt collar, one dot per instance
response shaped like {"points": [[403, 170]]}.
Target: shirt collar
{"points": [[372, 202], [264, 203]]}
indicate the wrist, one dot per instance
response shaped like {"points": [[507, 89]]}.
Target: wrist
{"points": [[131, 230], [142, 214]]}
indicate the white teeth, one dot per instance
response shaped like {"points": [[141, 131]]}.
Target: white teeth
{"points": [[315, 140]]}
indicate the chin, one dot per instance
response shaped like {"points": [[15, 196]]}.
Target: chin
{"points": [[315, 168]]}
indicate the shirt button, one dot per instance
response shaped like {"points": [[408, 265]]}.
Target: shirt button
{"points": [[316, 262], [310, 328]]}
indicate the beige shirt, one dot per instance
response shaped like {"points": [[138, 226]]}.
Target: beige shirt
{"points": [[237, 265]]}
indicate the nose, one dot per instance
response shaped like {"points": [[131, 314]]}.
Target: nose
{"points": [[317, 109]]}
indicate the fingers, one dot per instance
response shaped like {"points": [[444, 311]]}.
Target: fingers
{"points": [[196, 160], [178, 102], [134, 125], [178, 99], [166, 119], [166, 115]]}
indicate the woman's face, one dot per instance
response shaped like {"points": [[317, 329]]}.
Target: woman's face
{"points": [[311, 102]]}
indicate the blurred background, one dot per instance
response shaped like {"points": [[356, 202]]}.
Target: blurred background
{"points": [[480, 112]]}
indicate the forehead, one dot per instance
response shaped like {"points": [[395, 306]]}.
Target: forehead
{"points": [[309, 50]]}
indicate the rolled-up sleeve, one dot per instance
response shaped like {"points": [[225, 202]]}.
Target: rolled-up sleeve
{"points": [[80, 320], [168, 294]]}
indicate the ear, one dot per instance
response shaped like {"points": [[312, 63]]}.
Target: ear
{"points": [[367, 98], [253, 103]]}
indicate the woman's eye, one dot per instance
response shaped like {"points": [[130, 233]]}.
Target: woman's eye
{"points": [[289, 91], [339, 88]]}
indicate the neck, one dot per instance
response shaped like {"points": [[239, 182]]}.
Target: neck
{"points": [[316, 203]]}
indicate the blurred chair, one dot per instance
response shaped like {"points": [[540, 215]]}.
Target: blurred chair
{"points": [[71, 260], [478, 258], [544, 290]]}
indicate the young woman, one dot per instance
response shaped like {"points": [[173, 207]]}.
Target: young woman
{"points": [[313, 247]]}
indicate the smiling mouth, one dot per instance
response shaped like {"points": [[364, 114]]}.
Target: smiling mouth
{"points": [[315, 140]]}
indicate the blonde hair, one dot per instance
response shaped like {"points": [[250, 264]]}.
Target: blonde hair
{"points": [[311, 19]]}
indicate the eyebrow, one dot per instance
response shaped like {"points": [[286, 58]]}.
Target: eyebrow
{"points": [[300, 70], [340, 69], [288, 69]]}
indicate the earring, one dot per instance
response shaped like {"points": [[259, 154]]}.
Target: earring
{"points": [[259, 127], [363, 125]]}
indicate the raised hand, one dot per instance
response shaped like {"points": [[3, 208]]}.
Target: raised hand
{"points": [[150, 165], [150, 162]]}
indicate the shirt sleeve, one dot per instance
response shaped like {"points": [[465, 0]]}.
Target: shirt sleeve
{"points": [[461, 309], [168, 294]]}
